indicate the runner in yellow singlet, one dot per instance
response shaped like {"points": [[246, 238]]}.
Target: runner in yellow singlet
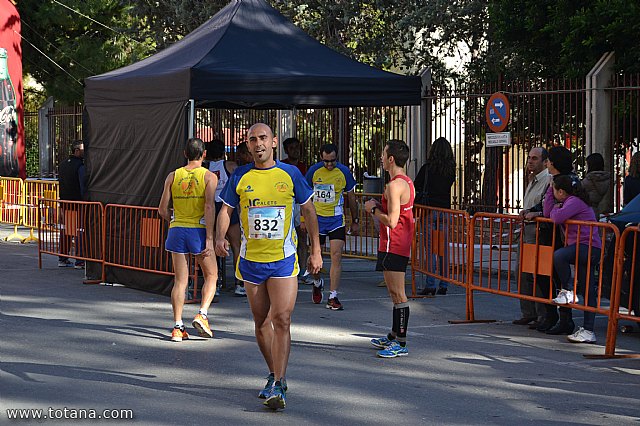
{"points": [[264, 193], [192, 190]]}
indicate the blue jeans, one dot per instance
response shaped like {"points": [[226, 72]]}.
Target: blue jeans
{"points": [[439, 264], [566, 256]]}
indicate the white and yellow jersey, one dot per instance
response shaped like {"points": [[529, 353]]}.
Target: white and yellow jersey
{"points": [[265, 199]]}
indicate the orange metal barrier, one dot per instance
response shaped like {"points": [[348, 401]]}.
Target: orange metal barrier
{"points": [[71, 229], [440, 247], [33, 191], [365, 244], [134, 239], [497, 254], [11, 204], [626, 299]]}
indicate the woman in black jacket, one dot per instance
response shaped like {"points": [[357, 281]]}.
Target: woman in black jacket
{"points": [[433, 187]]}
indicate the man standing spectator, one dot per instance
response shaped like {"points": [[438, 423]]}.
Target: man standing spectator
{"points": [[538, 179], [243, 156], [72, 182], [192, 190], [330, 180]]}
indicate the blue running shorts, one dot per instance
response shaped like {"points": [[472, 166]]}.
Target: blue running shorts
{"points": [[186, 240], [326, 225], [259, 272]]}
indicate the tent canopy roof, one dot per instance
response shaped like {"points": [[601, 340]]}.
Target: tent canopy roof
{"points": [[249, 55]]}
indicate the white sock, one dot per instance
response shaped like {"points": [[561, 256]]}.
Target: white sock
{"points": [[333, 294], [203, 312], [179, 324]]}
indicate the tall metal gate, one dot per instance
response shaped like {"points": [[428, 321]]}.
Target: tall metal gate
{"points": [[625, 127], [543, 113], [359, 132]]}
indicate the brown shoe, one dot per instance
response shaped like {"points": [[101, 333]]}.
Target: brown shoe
{"points": [[524, 321]]}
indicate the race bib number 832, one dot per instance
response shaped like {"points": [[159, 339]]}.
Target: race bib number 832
{"points": [[266, 222]]}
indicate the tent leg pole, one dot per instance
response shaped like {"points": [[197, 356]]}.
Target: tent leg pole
{"points": [[192, 117]]}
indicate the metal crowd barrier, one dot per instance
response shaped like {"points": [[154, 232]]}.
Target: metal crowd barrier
{"points": [[72, 229], [134, 239], [440, 247], [626, 299], [365, 244], [498, 253], [12, 204], [33, 191]]}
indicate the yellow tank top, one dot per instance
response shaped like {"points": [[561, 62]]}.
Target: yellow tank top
{"points": [[187, 193]]}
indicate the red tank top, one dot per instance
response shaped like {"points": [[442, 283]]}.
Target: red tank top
{"points": [[398, 240]]}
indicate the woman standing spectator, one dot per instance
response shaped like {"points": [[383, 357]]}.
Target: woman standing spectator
{"points": [[433, 187], [571, 203], [631, 186], [596, 183]]}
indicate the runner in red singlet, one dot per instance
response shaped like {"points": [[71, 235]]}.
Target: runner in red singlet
{"points": [[395, 215]]}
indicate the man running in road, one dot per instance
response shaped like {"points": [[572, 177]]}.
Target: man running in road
{"points": [[264, 193]]}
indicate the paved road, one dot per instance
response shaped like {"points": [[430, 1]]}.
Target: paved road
{"points": [[65, 344]]}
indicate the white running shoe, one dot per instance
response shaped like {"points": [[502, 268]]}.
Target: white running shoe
{"points": [[582, 336], [240, 291], [564, 297]]}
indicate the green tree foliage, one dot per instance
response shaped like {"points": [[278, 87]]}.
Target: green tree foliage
{"points": [[80, 46], [563, 38], [514, 38]]}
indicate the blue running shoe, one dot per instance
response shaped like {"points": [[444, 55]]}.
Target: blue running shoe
{"points": [[382, 342], [264, 393], [393, 351], [276, 399]]}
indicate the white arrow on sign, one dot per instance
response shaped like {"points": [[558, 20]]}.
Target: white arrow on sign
{"points": [[498, 104], [495, 120]]}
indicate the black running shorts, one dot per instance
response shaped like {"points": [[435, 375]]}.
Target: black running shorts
{"points": [[391, 262]]}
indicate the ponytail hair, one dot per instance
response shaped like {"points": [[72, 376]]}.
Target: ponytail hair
{"points": [[571, 185]]}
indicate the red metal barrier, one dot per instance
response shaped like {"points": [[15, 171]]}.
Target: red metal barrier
{"points": [[134, 239], [71, 229], [440, 246], [496, 252], [626, 297]]}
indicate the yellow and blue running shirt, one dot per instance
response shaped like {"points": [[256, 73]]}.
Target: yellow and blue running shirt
{"points": [[187, 193], [329, 187], [265, 199]]}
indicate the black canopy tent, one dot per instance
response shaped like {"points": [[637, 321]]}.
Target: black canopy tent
{"points": [[247, 56]]}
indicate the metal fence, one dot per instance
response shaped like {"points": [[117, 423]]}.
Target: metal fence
{"points": [[64, 126], [360, 133], [543, 113], [625, 128]]}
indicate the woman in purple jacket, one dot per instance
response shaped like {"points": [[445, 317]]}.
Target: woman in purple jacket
{"points": [[570, 202]]}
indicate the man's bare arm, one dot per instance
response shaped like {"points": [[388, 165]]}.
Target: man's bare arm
{"points": [[163, 207], [222, 225], [393, 195], [311, 221], [211, 181]]}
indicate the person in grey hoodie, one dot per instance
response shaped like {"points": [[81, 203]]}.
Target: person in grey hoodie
{"points": [[597, 183]]}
